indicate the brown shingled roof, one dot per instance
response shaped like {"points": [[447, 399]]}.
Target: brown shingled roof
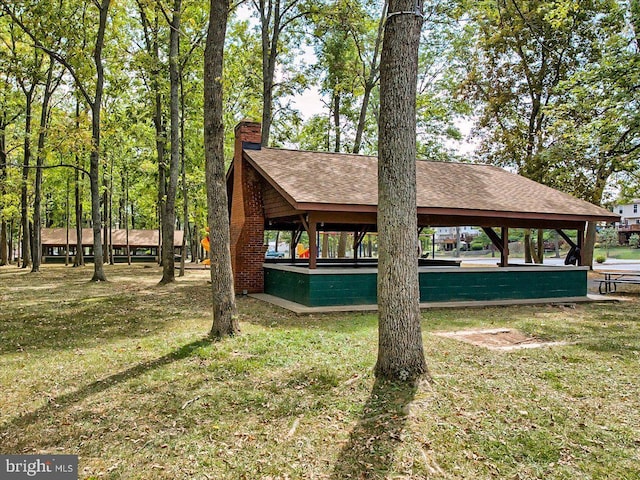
{"points": [[331, 181], [57, 237]]}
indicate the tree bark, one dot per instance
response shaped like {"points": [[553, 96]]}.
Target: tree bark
{"points": [[370, 83], [94, 169], [225, 321], [24, 199], [42, 135], [185, 192], [336, 121], [79, 260], [4, 246], [169, 204], [400, 351]]}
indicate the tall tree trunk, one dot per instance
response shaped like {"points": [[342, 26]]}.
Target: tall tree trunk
{"points": [[185, 191], [169, 205], [111, 212], [4, 246], [126, 215], [94, 170], [370, 83], [225, 321], [400, 351], [336, 120], [77, 192], [24, 198], [67, 224], [270, 38], [42, 135]]}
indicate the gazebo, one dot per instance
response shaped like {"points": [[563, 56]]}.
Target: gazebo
{"points": [[301, 191]]}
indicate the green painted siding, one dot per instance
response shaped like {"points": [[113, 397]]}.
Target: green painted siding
{"points": [[501, 285], [315, 290]]}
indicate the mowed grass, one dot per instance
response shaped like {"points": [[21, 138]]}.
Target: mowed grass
{"points": [[123, 375]]}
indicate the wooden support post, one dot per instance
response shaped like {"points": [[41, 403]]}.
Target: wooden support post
{"points": [[355, 245], [313, 246], [580, 244], [504, 253]]}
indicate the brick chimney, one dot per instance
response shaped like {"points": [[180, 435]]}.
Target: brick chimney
{"points": [[247, 214]]}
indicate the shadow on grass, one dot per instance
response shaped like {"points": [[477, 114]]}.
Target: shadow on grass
{"points": [[258, 312], [57, 404], [372, 443]]}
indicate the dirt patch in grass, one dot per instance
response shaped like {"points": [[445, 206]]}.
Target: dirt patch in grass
{"points": [[505, 339]]}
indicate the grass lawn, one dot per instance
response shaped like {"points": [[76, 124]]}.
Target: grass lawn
{"points": [[621, 253], [122, 374]]}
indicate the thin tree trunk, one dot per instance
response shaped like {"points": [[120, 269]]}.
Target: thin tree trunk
{"points": [[225, 321], [400, 351], [94, 169], [11, 245], [4, 244], [169, 205], [111, 262], [105, 215], [185, 191], [79, 260], [370, 83], [336, 121], [5, 253], [67, 225], [42, 135], [126, 214], [24, 199]]}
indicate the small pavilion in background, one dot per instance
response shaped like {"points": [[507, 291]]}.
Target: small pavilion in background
{"points": [[142, 245]]}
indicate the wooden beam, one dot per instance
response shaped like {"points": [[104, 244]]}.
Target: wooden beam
{"points": [[495, 239], [566, 238]]}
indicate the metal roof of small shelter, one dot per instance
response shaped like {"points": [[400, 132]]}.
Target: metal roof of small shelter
{"points": [[57, 237], [343, 189]]}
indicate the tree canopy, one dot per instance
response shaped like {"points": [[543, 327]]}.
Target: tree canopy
{"points": [[547, 88]]}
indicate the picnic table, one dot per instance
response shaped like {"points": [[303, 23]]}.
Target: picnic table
{"points": [[612, 279]]}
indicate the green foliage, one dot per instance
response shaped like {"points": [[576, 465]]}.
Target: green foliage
{"points": [[634, 241], [600, 258], [608, 237]]}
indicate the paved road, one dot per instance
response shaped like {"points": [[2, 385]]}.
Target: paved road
{"points": [[610, 264]]}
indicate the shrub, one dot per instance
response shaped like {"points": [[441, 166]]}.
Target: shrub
{"points": [[477, 246], [634, 240], [600, 258]]}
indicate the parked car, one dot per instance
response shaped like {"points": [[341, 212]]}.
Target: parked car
{"points": [[274, 254]]}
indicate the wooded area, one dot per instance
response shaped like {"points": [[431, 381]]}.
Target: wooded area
{"points": [[106, 93]]}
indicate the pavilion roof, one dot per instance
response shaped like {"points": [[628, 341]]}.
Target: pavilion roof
{"points": [[338, 182], [57, 237]]}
